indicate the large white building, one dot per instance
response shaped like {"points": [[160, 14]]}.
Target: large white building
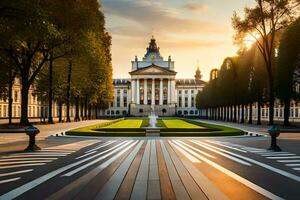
{"points": [[153, 87]]}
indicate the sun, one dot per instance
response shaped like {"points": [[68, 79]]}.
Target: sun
{"points": [[248, 41]]}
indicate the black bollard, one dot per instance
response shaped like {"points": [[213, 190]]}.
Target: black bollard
{"points": [[274, 133], [32, 131]]}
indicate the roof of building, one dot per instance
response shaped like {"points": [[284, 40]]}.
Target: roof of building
{"points": [[166, 70], [189, 82], [121, 81]]}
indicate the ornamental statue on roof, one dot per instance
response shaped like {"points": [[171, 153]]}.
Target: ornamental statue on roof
{"points": [[152, 53]]}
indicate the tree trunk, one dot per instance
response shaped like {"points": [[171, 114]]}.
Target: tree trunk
{"points": [[69, 91], [234, 113], [96, 112], [271, 100], [60, 111], [81, 109], [243, 114], [24, 100], [10, 99], [258, 113], [85, 109], [50, 116], [77, 118], [90, 112], [287, 106], [250, 113]]}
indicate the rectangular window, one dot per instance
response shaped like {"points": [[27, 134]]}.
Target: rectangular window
{"points": [[125, 101], [0, 110], [186, 102], [180, 102], [192, 91], [179, 92], [185, 91], [193, 102], [125, 92], [118, 92]]}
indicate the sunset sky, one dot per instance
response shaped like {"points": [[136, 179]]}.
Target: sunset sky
{"points": [[189, 31]]}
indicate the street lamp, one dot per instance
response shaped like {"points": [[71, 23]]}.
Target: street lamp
{"points": [[274, 133], [32, 131]]}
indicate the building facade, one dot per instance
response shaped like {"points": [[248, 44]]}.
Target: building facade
{"points": [[153, 87]]}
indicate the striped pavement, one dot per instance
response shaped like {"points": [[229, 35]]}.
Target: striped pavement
{"points": [[147, 169]]}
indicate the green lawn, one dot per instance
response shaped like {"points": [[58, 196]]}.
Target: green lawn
{"points": [[129, 123], [178, 123]]}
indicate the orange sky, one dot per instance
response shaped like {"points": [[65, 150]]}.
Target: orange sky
{"points": [[189, 31]]}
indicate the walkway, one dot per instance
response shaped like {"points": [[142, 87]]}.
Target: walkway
{"points": [[155, 168]]}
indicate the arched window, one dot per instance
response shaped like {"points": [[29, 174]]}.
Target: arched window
{"points": [[117, 112], [185, 112], [191, 112], [179, 112]]}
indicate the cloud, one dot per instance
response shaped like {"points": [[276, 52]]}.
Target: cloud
{"points": [[195, 7], [148, 15]]}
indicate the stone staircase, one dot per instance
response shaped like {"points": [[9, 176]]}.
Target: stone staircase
{"points": [[152, 132]]}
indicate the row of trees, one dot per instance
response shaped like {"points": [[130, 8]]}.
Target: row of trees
{"points": [[261, 73], [61, 47]]}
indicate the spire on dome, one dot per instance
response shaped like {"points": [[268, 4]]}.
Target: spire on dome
{"points": [[198, 75], [152, 51]]}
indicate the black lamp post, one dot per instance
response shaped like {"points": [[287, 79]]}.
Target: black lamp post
{"points": [[32, 131], [274, 133]]}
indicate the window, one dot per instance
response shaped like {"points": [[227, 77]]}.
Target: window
{"points": [[191, 112], [0, 110], [125, 92], [186, 102], [141, 110], [185, 112], [117, 112], [185, 91], [33, 111], [196, 112], [107, 112], [124, 112], [179, 112], [118, 92], [112, 112], [192, 91], [125, 101], [15, 111], [16, 96], [180, 101], [179, 92]]}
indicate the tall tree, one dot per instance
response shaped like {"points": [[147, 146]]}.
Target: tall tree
{"points": [[288, 68], [261, 23]]}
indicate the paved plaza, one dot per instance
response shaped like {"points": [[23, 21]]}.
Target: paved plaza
{"points": [[151, 168]]}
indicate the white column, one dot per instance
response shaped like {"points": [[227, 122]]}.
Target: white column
{"points": [[173, 92], [161, 92], [189, 98], [153, 92], [169, 91], [145, 92], [138, 91], [133, 91]]}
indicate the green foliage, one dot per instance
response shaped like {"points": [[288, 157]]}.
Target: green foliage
{"points": [[288, 63]]}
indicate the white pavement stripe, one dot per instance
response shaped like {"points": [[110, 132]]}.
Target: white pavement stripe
{"points": [[111, 152], [23, 162], [297, 168], [293, 165], [101, 146], [222, 154], [58, 150], [271, 155], [236, 177], [273, 152], [87, 154], [230, 147], [273, 169], [32, 184], [198, 150], [289, 161], [24, 165], [9, 180], [186, 154], [19, 159], [16, 172], [43, 153], [111, 187], [283, 157], [25, 156]]}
